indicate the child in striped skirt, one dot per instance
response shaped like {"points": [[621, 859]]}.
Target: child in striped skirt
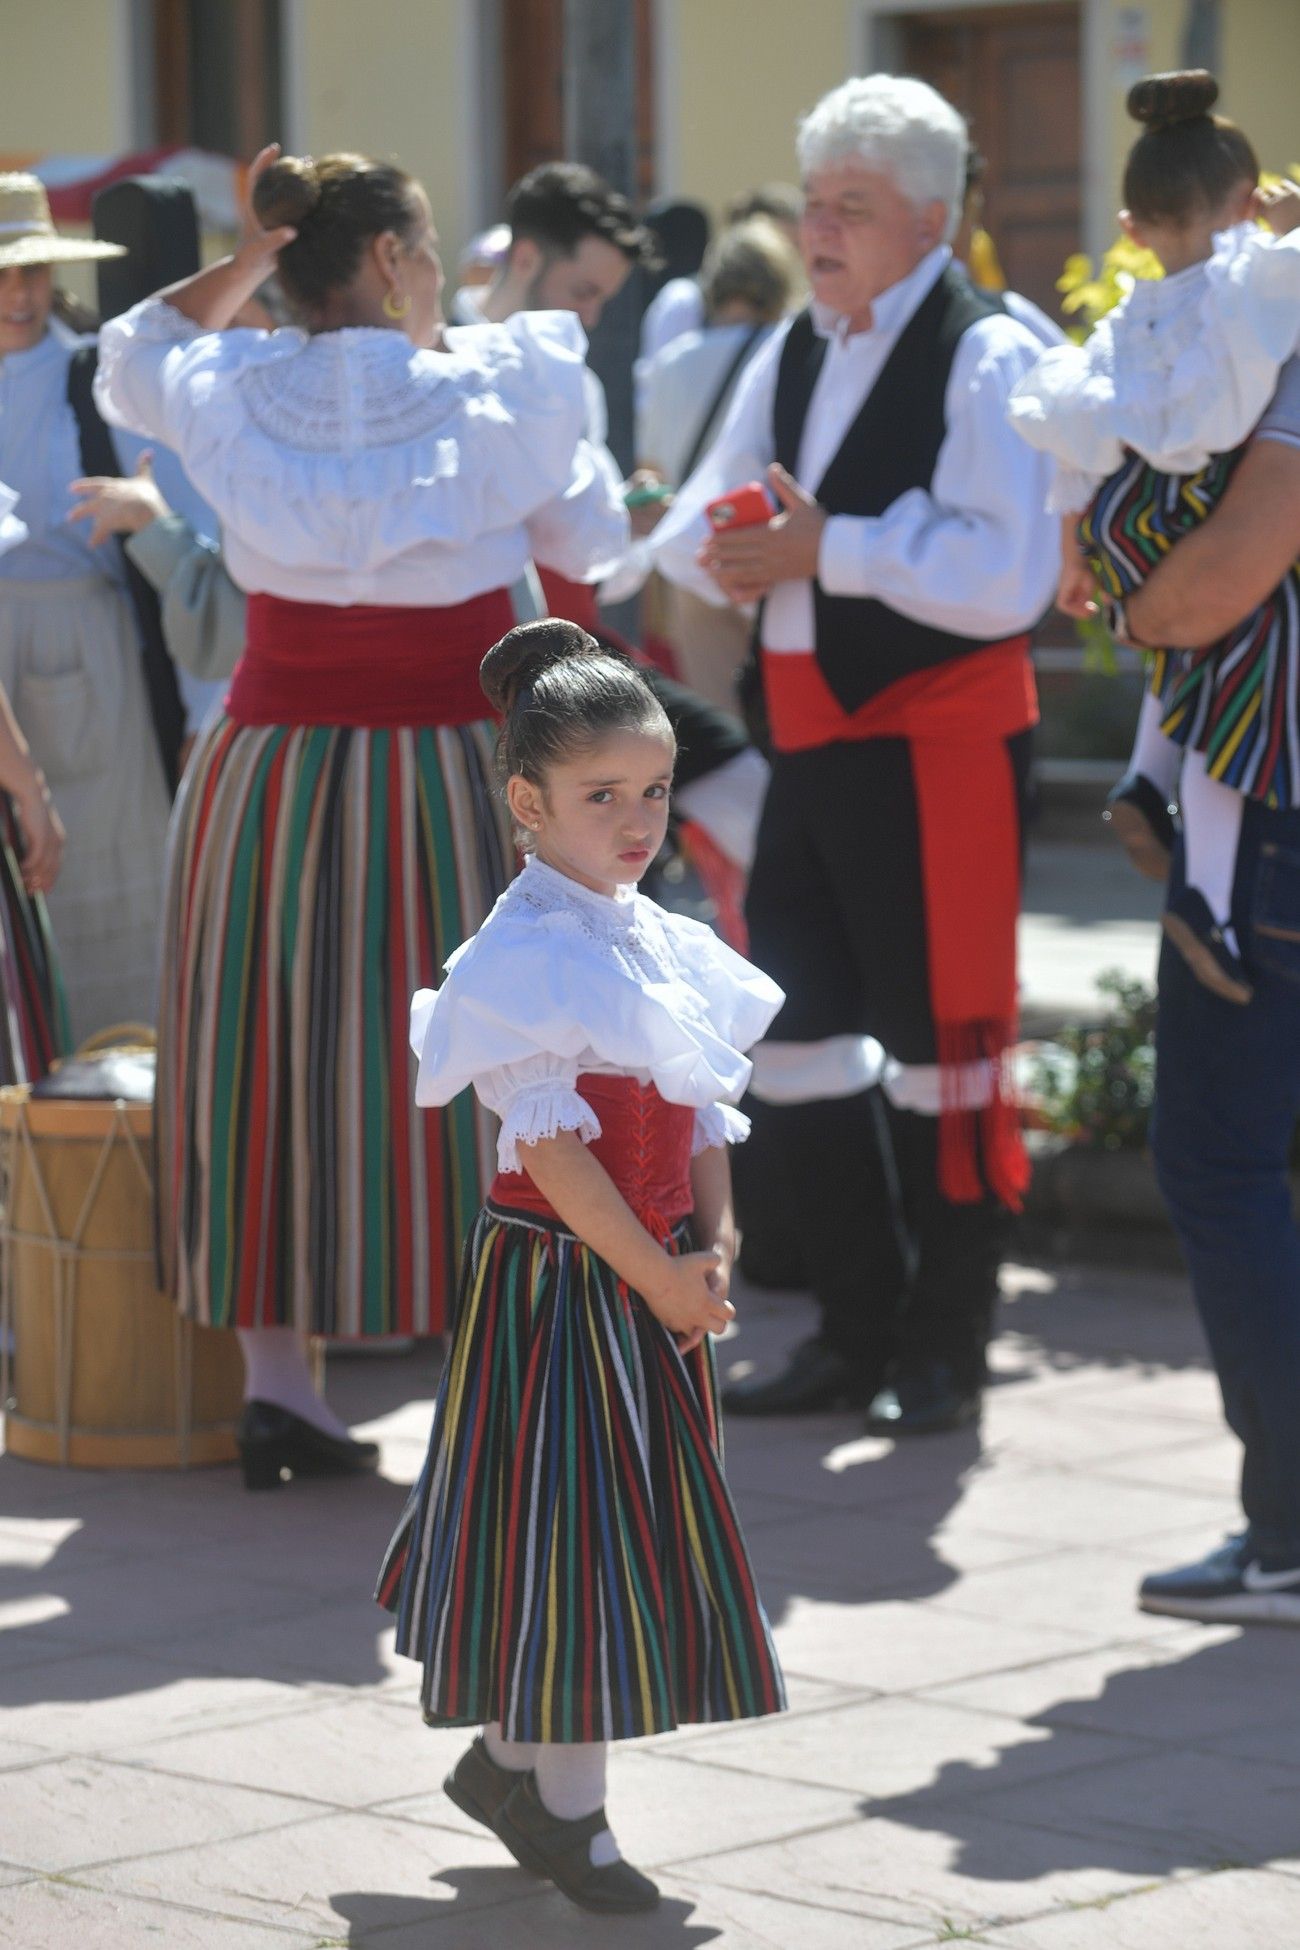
{"points": [[1147, 421], [569, 1569]]}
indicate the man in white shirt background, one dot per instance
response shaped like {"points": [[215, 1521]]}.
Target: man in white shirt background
{"points": [[908, 559]]}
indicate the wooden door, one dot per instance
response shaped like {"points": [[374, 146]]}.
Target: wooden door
{"points": [[217, 74], [532, 41], [1014, 73]]}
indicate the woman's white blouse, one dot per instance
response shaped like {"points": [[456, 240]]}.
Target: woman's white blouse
{"points": [[1182, 369], [561, 982], [12, 531], [352, 467]]}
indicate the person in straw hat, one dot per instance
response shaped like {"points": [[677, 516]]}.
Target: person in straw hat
{"points": [[70, 656]]}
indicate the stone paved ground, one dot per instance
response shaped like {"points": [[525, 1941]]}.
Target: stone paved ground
{"points": [[205, 1739]]}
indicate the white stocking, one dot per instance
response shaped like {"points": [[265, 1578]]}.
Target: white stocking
{"points": [[571, 1783], [275, 1370], [1211, 833], [520, 1756], [1155, 756]]}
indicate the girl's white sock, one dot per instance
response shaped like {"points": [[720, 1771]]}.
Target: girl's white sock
{"points": [[1211, 834], [276, 1370], [518, 1755], [1156, 757], [571, 1784]]}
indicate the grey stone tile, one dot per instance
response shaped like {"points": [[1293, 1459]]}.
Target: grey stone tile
{"points": [[1090, 1593], [887, 1747], [1186, 1690], [346, 1752], [100, 1701], [896, 1647], [972, 1872], [288, 1879], [1184, 1809], [67, 1813], [1234, 1910], [1071, 1508], [55, 1916]]}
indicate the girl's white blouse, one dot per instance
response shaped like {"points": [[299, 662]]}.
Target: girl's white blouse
{"points": [[561, 982], [12, 531], [352, 467], [1182, 369]]}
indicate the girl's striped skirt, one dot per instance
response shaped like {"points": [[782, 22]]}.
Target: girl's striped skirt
{"points": [[569, 1562], [1239, 701], [33, 1009], [318, 876]]}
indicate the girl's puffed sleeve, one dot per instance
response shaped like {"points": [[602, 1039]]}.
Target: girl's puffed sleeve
{"points": [[471, 1033]]}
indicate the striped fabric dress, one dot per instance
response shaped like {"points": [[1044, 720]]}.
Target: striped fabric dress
{"points": [[318, 875], [569, 1562], [1236, 701]]}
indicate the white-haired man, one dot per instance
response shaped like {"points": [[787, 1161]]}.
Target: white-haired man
{"points": [[908, 559]]}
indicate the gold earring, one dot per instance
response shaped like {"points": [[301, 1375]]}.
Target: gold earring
{"points": [[396, 308]]}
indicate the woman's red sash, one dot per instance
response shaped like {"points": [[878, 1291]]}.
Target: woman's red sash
{"points": [[367, 664]]}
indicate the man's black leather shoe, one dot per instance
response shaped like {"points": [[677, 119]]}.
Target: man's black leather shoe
{"points": [[924, 1400], [815, 1377]]}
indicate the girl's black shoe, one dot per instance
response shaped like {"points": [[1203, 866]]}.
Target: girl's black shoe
{"points": [[273, 1439], [1137, 814], [478, 1786], [1191, 926], [561, 1851]]}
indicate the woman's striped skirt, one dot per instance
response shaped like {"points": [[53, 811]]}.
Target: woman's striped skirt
{"points": [[1239, 701], [569, 1562], [33, 1008], [317, 876]]}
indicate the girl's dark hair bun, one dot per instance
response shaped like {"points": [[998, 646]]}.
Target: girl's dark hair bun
{"points": [[287, 192], [525, 652], [1161, 100]]}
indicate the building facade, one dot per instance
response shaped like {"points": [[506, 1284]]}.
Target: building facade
{"points": [[469, 92]]}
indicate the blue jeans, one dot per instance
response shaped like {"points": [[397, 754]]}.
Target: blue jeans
{"points": [[1227, 1102]]}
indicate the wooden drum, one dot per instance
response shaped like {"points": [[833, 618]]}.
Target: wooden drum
{"points": [[100, 1370]]}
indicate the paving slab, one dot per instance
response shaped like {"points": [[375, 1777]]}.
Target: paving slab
{"points": [[59, 1916], [1230, 1911], [285, 1880], [66, 1813], [979, 1873]]}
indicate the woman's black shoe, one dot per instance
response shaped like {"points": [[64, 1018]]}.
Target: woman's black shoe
{"points": [[561, 1851], [272, 1440], [1191, 926], [926, 1399], [1137, 815]]}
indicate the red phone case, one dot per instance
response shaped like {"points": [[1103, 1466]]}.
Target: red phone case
{"points": [[746, 508]]}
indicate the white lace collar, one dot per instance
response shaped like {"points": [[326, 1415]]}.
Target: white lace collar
{"points": [[357, 388], [548, 891]]}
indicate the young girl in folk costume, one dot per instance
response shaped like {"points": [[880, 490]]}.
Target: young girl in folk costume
{"points": [[569, 1568], [1147, 421]]}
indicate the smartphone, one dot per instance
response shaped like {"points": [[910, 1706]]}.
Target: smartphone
{"points": [[745, 508]]}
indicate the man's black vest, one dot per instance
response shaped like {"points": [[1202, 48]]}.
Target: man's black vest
{"points": [[864, 646]]}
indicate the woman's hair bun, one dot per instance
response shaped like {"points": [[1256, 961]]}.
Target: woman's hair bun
{"points": [[1161, 100], [525, 652], [287, 192]]}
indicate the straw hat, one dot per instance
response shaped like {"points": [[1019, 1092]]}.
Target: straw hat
{"points": [[27, 234]]}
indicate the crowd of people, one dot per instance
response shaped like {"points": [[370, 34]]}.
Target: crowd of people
{"points": [[309, 708]]}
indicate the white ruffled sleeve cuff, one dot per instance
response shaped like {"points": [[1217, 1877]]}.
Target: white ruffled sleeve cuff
{"points": [[717, 1125], [538, 1111]]}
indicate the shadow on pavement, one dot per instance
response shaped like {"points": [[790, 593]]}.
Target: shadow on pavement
{"points": [[482, 1917], [1206, 1779]]}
